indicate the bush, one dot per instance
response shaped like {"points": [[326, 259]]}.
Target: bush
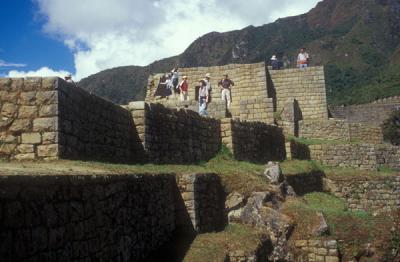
{"points": [[391, 128]]}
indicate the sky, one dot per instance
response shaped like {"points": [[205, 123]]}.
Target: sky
{"points": [[83, 37]]}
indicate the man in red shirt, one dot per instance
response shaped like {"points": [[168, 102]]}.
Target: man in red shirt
{"points": [[226, 85], [184, 87]]}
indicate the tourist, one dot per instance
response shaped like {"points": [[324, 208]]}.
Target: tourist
{"points": [[184, 88], [168, 85], [175, 79], [203, 98], [275, 63], [68, 78], [226, 85], [303, 58], [208, 84]]}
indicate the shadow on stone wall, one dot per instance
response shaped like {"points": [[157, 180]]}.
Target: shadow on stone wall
{"points": [[106, 217], [91, 128], [304, 183], [257, 142]]}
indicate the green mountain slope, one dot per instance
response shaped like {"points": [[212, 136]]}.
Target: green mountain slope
{"points": [[358, 41]]}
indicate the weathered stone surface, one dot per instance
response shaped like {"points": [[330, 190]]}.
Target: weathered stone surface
{"points": [[48, 150], [27, 98], [28, 156], [321, 227], [50, 138], [9, 110], [24, 149], [32, 83], [31, 138], [21, 125], [273, 172], [46, 97], [7, 149], [27, 112], [48, 110], [45, 124], [234, 201]]}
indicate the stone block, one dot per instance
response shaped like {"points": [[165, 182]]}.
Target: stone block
{"points": [[27, 112], [32, 83], [24, 149], [27, 98], [47, 150], [9, 110], [22, 157], [49, 83], [48, 110], [45, 124], [50, 138], [46, 97], [21, 125], [31, 138]]}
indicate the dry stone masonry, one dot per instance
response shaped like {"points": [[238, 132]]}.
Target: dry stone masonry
{"points": [[377, 193]]}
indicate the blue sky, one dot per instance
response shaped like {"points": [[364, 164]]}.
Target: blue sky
{"points": [[24, 42], [83, 37]]}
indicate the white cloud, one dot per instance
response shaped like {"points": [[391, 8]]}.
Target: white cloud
{"points": [[44, 71], [104, 34], [5, 64]]}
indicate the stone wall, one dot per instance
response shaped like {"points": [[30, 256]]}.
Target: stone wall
{"points": [[175, 136], [215, 109], [307, 86], [85, 218], [250, 82], [366, 133], [29, 118], [330, 129], [47, 118], [388, 156], [364, 193], [253, 141], [93, 128], [372, 113], [362, 156], [260, 109], [204, 201], [339, 129], [317, 250]]}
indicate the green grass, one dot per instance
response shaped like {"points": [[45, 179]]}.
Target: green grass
{"points": [[215, 246], [293, 167]]}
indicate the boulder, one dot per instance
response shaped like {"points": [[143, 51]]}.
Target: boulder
{"points": [[234, 201], [321, 227], [273, 173]]}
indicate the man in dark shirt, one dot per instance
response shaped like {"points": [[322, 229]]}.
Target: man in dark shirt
{"points": [[225, 84]]}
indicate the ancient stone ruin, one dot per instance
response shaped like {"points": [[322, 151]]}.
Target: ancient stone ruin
{"points": [[129, 217]]}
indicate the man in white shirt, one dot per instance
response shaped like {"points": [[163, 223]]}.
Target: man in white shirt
{"points": [[302, 58]]}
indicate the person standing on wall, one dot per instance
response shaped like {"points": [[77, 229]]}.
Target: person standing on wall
{"points": [[226, 84], [275, 63], [208, 85], [203, 98], [303, 58], [68, 79], [184, 88], [168, 85], [175, 79]]}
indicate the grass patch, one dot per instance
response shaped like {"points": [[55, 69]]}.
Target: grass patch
{"points": [[215, 246], [236, 175], [292, 167]]}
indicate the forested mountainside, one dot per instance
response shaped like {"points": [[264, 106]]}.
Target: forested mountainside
{"points": [[357, 41]]}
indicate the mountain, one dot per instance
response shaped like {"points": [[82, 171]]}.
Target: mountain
{"points": [[357, 41]]}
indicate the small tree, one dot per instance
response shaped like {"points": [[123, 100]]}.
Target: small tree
{"points": [[391, 128]]}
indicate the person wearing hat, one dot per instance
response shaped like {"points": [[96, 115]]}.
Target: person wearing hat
{"points": [[226, 84], [203, 98], [175, 79], [68, 79], [208, 85], [184, 89], [275, 63]]}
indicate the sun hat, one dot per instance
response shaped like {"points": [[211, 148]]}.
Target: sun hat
{"points": [[184, 77], [273, 57], [207, 75]]}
